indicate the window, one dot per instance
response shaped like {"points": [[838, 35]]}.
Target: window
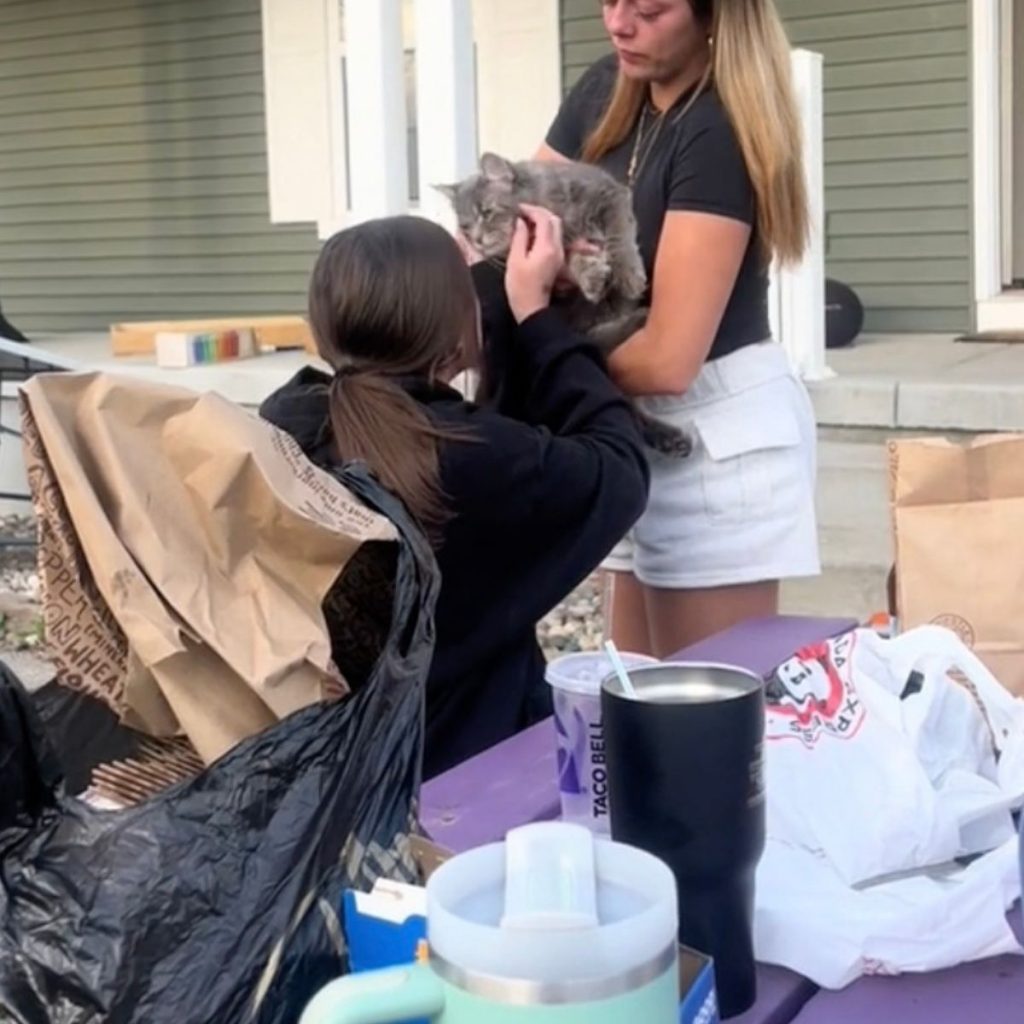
{"points": [[409, 49]]}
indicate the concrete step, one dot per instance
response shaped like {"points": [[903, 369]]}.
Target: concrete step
{"points": [[855, 591], [854, 529], [853, 503]]}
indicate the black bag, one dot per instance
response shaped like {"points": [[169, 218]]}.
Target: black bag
{"points": [[8, 330], [218, 901]]}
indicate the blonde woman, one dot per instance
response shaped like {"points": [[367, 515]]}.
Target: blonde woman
{"points": [[695, 112]]}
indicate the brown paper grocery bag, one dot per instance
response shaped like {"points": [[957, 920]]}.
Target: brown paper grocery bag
{"points": [[186, 551], [958, 519]]}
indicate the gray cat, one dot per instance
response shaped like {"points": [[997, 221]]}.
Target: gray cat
{"points": [[594, 207]]}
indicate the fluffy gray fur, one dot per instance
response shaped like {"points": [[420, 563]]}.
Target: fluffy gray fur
{"points": [[594, 207]]}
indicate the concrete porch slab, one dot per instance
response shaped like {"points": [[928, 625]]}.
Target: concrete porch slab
{"points": [[925, 383], [245, 381], [891, 382]]}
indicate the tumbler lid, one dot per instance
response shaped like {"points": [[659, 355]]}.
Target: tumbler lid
{"points": [[553, 914], [680, 682]]}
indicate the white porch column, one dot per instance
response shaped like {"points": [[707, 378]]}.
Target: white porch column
{"points": [[299, 108], [446, 100], [377, 143], [519, 56], [797, 295]]}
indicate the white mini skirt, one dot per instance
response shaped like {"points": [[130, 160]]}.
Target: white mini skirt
{"points": [[741, 507]]}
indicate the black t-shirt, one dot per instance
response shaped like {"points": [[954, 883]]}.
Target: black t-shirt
{"points": [[694, 163]]}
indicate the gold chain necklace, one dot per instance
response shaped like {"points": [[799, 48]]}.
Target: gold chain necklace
{"points": [[636, 160]]}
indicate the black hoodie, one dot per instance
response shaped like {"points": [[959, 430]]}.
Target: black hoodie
{"points": [[554, 477]]}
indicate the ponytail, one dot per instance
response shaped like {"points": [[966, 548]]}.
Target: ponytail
{"points": [[388, 299], [376, 422]]}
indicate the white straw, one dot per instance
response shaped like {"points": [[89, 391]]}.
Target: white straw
{"points": [[620, 669]]}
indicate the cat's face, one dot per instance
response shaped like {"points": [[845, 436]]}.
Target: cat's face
{"points": [[486, 205]]}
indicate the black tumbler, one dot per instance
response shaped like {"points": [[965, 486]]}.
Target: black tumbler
{"points": [[686, 783]]}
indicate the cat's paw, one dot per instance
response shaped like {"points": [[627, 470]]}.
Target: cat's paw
{"points": [[634, 283], [591, 273]]}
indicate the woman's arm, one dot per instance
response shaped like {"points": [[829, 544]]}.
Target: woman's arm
{"points": [[568, 478], [568, 475], [699, 257]]}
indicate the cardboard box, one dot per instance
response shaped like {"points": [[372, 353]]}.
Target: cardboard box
{"points": [[429, 856], [385, 927], [699, 1002], [270, 332]]}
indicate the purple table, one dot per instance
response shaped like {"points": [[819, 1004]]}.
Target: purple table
{"points": [[987, 992], [516, 781]]}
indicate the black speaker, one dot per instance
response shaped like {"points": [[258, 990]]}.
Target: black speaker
{"points": [[844, 314]]}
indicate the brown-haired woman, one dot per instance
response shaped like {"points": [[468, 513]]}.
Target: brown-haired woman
{"points": [[695, 111], [523, 503]]}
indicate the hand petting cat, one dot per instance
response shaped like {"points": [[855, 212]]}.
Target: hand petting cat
{"points": [[565, 282], [600, 281], [535, 260]]}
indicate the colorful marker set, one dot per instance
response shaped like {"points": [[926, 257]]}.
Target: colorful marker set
{"points": [[191, 348]]}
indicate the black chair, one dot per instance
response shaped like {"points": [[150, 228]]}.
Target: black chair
{"points": [[19, 362]]}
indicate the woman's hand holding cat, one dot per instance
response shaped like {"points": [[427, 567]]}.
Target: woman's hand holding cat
{"points": [[535, 260]]}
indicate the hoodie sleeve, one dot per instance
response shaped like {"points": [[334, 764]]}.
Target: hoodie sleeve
{"points": [[502, 375], [566, 481]]}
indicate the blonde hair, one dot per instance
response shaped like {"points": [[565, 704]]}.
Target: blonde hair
{"points": [[751, 73]]}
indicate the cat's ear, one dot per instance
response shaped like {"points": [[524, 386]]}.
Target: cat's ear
{"points": [[497, 168], [448, 191]]}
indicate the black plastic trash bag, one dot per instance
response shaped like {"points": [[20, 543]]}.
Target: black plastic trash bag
{"points": [[218, 901]]}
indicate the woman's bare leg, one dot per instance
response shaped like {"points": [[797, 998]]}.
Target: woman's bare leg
{"points": [[625, 612], [679, 618]]}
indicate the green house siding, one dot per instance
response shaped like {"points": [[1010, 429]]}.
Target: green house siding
{"points": [[897, 148], [133, 170]]}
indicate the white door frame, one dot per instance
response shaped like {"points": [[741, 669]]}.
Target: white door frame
{"points": [[996, 308], [1006, 134], [986, 145]]}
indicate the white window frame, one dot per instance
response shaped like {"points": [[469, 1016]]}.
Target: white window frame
{"points": [[313, 132]]}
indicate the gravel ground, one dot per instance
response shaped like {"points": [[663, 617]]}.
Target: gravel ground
{"points": [[20, 618], [575, 625]]}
